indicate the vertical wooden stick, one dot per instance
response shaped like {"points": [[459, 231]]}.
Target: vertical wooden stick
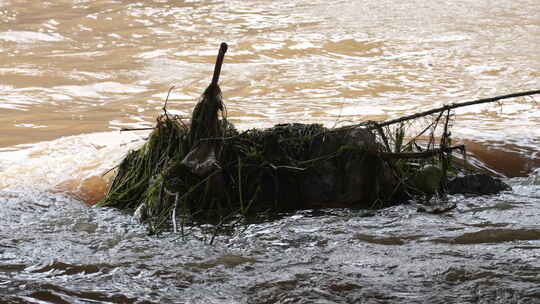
{"points": [[219, 62]]}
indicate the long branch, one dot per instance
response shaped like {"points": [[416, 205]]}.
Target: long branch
{"points": [[454, 106]]}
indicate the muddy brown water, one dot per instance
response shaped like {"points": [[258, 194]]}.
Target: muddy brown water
{"points": [[73, 73]]}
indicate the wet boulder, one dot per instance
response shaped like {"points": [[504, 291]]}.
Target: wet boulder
{"points": [[354, 177], [477, 184], [304, 166]]}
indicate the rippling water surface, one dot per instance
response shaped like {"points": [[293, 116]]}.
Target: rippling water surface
{"points": [[72, 73]]}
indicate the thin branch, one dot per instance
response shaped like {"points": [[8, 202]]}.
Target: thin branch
{"points": [[454, 106], [445, 141], [106, 172], [433, 129], [166, 100], [136, 129], [176, 196], [426, 154]]}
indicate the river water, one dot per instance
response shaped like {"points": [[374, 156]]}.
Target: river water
{"points": [[73, 72]]}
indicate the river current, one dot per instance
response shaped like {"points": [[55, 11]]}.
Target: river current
{"points": [[74, 72]]}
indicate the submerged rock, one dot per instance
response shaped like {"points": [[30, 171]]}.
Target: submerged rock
{"points": [[478, 184]]}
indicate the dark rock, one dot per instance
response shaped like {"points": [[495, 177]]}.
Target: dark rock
{"points": [[476, 184], [356, 178]]}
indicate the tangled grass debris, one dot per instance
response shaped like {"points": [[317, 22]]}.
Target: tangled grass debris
{"points": [[209, 172]]}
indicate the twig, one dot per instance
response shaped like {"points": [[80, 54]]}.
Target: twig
{"points": [[136, 129], [445, 141], [425, 154], [106, 172], [413, 140], [176, 195], [166, 100], [454, 106], [433, 129]]}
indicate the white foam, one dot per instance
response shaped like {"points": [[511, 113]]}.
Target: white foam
{"points": [[68, 164]]}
